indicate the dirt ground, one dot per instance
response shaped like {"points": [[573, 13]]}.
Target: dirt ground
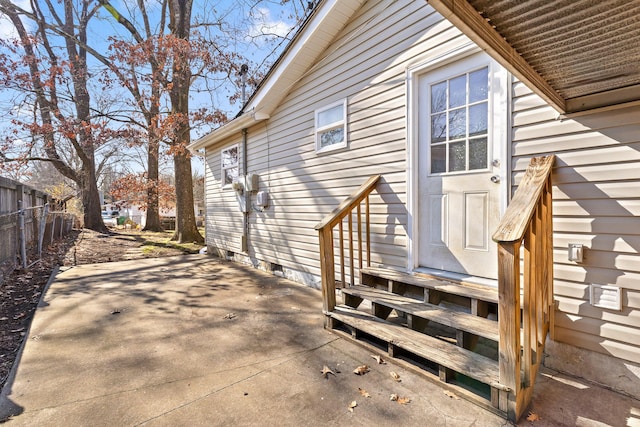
{"points": [[21, 291]]}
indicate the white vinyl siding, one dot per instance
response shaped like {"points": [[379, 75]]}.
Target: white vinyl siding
{"points": [[595, 203], [367, 64], [224, 217]]}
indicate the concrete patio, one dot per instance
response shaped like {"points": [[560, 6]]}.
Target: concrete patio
{"points": [[196, 340]]}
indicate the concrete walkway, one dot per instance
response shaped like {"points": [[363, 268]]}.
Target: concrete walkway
{"points": [[196, 341]]}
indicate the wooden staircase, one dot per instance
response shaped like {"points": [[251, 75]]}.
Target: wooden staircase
{"points": [[484, 343], [448, 330]]}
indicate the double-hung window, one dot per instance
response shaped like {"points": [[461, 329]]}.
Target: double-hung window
{"points": [[331, 127], [229, 161]]}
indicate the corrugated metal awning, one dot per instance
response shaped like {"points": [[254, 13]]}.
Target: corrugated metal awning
{"points": [[577, 54]]}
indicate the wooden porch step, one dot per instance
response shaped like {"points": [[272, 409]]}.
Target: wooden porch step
{"points": [[460, 321], [447, 356], [467, 290]]}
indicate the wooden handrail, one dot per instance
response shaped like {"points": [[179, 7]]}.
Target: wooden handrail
{"points": [[349, 203], [525, 307], [325, 233], [520, 210]]}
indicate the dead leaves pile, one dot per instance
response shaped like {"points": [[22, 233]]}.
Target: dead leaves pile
{"points": [[362, 370]]}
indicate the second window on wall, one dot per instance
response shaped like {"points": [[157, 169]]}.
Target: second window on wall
{"points": [[229, 159], [331, 127]]}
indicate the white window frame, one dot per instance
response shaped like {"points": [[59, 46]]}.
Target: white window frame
{"points": [[331, 126], [224, 168]]}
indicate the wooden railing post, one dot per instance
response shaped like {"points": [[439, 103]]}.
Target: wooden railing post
{"points": [[327, 269], [509, 319]]}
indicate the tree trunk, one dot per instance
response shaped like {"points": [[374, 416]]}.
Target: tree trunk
{"points": [[186, 229], [153, 206], [180, 25], [91, 201]]}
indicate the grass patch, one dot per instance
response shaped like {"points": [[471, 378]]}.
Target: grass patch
{"points": [[163, 239]]}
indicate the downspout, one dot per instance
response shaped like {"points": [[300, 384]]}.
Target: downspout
{"points": [[247, 195]]}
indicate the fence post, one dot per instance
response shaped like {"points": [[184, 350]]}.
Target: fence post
{"points": [[43, 225], [21, 231]]}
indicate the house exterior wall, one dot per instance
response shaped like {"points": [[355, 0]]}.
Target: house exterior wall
{"points": [[595, 203], [595, 180], [304, 186]]}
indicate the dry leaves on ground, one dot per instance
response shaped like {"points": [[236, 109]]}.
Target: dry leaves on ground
{"points": [[401, 400], [364, 392], [379, 359], [326, 371], [352, 405], [395, 376], [361, 370], [533, 417]]}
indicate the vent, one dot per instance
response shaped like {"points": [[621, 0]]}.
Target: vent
{"points": [[605, 296], [277, 269]]}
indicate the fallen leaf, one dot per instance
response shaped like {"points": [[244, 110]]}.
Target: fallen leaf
{"points": [[403, 400], [393, 397], [451, 395], [379, 359], [533, 417], [229, 316], [395, 376], [361, 370], [352, 405], [326, 371], [364, 392]]}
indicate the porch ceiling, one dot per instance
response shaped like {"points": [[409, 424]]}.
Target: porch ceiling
{"points": [[579, 55]]}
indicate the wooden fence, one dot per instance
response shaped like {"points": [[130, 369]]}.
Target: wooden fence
{"points": [[27, 224]]}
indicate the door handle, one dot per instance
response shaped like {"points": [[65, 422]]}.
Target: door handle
{"points": [[495, 179]]}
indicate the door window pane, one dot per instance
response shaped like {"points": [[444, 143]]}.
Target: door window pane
{"points": [[457, 91], [478, 153], [457, 123], [439, 97], [438, 159], [457, 156], [478, 119], [438, 127], [479, 85]]}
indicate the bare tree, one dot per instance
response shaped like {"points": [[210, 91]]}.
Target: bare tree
{"points": [[55, 84]]}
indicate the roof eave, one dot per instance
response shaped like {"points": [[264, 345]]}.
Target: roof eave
{"points": [[464, 16]]}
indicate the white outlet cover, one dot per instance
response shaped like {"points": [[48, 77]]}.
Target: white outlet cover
{"points": [[605, 296]]}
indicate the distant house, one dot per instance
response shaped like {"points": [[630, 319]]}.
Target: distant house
{"points": [[448, 102]]}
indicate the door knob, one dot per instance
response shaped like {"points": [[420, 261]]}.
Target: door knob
{"points": [[495, 179]]}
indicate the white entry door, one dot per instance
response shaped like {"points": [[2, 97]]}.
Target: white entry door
{"points": [[459, 167]]}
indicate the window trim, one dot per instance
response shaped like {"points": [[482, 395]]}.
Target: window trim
{"points": [[335, 125], [223, 169]]}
